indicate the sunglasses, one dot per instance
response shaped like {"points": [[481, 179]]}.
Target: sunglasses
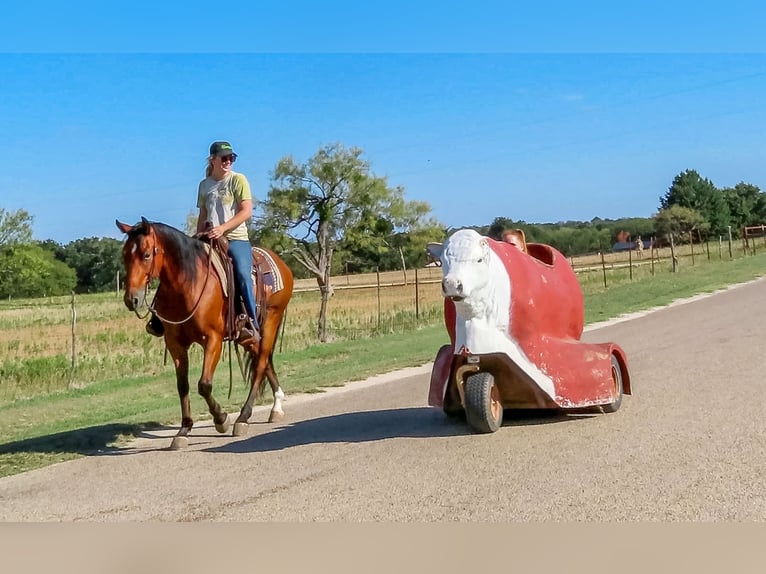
{"points": [[228, 158]]}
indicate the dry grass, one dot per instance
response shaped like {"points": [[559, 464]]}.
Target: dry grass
{"points": [[36, 336]]}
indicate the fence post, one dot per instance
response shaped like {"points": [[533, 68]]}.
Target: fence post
{"points": [[603, 266], [691, 245], [377, 282], [74, 343], [673, 257], [630, 263], [417, 296], [731, 255]]}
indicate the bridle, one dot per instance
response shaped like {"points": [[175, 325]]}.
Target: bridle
{"points": [[151, 275]]}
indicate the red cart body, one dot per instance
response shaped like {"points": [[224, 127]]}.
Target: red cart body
{"points": [[515, 322]]}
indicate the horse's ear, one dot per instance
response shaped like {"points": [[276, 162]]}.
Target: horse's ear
{"points": [[145, 225], [124, 227]]}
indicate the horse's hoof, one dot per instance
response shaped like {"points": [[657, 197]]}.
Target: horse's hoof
{"points": [[240, 429], [179, 443], [223, 427], [276, 416]]}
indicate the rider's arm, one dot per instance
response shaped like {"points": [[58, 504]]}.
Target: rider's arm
{"points": [[201, 219]]}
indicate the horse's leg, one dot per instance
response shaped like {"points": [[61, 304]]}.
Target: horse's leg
{"points": [[277, 414], [262, 355], [240, 425], [212, 354], [180, 356]]}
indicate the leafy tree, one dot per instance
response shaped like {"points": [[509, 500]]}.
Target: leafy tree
{"points": [[15, 227], [96, 260], [677, 221], [570, 237], [54, 247], [280, 242], [333, 201], [690, 190], [190, 225], [31, 271], [746, 203]]}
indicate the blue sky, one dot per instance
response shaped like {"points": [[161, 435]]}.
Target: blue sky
{"points": [[534, 111]]}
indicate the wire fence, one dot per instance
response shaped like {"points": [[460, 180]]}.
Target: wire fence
{"points": [[57, 343]]}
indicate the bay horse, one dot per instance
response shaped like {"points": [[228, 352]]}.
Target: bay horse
{"points": [[192, 305]]}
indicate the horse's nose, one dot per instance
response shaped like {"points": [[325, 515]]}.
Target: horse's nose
{"points": [[130, 302]]}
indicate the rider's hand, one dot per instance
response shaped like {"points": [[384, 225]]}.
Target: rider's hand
{"points": [[216, 232]]}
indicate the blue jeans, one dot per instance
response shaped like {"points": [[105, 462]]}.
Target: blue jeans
{"points": [[242, 256]]}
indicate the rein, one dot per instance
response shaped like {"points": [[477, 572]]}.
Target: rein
{"points": [[152, 308]]}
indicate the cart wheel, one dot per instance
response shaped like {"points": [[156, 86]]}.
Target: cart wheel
{"points": [[617, 379], [482, 403]]}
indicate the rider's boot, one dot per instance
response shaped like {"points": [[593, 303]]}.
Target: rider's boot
{"points": [[247, 332]]}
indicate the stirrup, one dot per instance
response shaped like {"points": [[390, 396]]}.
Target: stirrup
{"points": [[155, 327], [245, 331]]}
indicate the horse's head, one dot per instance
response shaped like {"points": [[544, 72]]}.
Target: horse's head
{"points": [[141, 259]]}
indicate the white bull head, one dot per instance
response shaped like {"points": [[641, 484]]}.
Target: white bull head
{"points": [[471, 275]]}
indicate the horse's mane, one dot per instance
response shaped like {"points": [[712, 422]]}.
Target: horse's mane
{"points": [[186, 250]]}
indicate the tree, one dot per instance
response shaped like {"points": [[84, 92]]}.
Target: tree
{"points": [[31, 271], [333, 201], [190, 225], [15, 227], [746, 203], [54, 247], [96, 260], [677, 221], [690, 190]]}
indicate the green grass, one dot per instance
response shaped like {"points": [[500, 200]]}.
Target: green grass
{"points": [[67, 424], [624, 296]]}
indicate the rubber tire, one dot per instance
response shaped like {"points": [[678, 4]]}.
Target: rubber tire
{"points": [[617, 378], [479, 389]]}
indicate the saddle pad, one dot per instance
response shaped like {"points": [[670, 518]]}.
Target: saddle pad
{"points": [[275, 277], [219, 268]]}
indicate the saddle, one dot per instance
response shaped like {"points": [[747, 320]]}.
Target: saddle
{"points": [[262, 288]]}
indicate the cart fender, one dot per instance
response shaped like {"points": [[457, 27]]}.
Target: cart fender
{"points": [[622, 359], [440, 376]]}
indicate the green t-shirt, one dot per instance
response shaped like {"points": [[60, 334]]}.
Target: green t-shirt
{"points": [[221, 199]]}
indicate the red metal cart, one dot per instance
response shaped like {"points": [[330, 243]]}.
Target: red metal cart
{"points": [[515, 321]]}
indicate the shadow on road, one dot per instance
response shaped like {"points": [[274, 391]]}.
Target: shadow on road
{"points": [[91, 440], [366, 426]]}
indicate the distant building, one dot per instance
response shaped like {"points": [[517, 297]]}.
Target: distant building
{"points": [[630, 245]]}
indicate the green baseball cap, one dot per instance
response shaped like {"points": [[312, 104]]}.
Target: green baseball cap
{"points": [[221, 149]]}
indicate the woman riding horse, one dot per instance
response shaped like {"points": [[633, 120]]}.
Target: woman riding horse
{"points": [[192, 305]]}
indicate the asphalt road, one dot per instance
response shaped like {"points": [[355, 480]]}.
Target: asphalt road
{"points": [[687, 446]]}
